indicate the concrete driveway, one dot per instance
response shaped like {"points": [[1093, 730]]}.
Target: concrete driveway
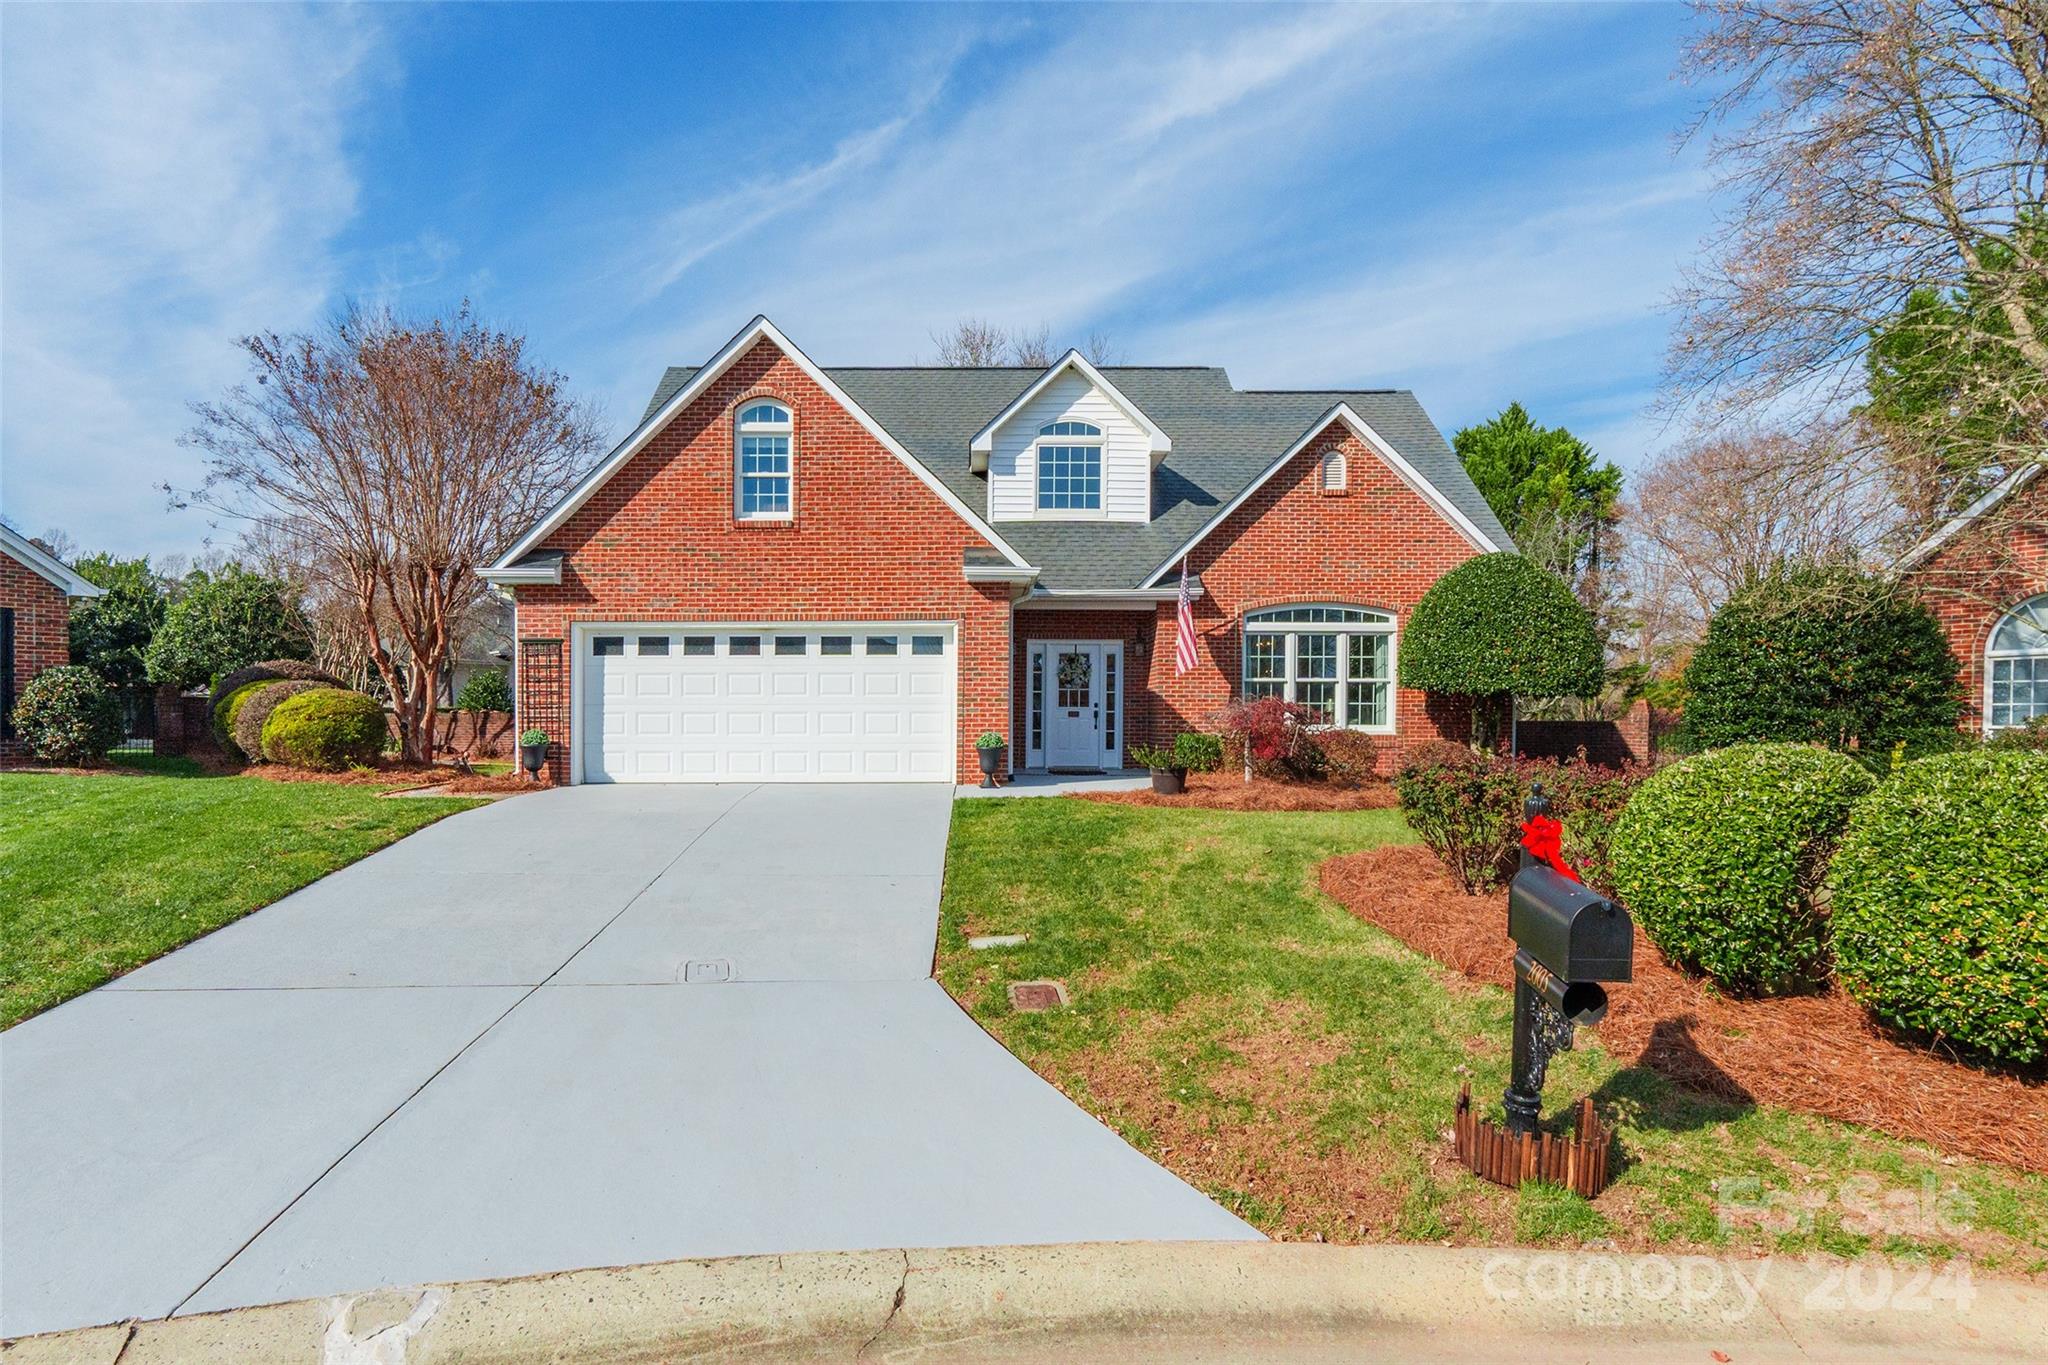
{"points": [[594, 1026]]}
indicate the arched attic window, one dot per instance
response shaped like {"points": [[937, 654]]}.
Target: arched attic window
{"points": [[762, 479], [1070, 467]]}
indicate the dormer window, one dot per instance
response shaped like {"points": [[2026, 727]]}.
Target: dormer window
{"points": [[1069, 467], [761, 462]]}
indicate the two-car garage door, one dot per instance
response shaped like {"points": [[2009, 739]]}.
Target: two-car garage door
{"points": [[791, 703]]}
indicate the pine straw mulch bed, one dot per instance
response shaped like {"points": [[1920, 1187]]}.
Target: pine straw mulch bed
{"points": [[1820, 1054], [404, 777], [1229, 791]]}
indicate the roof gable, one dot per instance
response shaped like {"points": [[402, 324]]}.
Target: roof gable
{"points": [[983, 442], [32, 556], [1960, 522], [760, 329]]}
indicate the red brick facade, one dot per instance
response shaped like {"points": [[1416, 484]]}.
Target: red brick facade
{"points": [[42, 629], [1982, 573], [868, 540]]}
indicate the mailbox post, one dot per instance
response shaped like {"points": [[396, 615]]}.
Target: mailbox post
{"points": [[1568, 940]]}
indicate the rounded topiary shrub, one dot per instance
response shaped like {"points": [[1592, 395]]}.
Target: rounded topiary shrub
{"points": [[256, 701], [1719, 857], [486, 690], [1501, 625], [224, 719], [326, 729], [68, 715], [1940, 901], [270, 670]]}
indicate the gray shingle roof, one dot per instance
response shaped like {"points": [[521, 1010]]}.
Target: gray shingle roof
{"points": [[1223, 438]]}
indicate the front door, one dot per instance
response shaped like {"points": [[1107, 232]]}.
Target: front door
{"points": [[1073, 714]]}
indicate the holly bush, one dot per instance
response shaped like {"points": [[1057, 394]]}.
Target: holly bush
{"points": [[1940, 901], [1719, 857], [68, 715], [1824, 656], [1500, 625]]}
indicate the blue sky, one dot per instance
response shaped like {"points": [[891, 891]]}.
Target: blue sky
{"points": [[1482, 203]]}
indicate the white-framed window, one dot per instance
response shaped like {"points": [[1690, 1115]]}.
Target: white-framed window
{"points": [[2016, 667], [1070, 467], [1336, 660], [761, 461]]}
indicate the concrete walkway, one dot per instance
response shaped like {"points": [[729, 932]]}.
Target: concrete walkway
{"points": [[594, 1026]]}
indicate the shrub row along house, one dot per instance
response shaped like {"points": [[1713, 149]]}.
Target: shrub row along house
{"points": [[788, 572]]}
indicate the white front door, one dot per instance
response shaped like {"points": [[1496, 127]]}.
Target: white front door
{"points": [[1073, 712]]}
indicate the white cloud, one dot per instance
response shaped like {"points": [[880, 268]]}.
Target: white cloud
{"points": [[173, 177]]}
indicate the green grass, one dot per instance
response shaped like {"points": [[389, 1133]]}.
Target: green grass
{"points": [[100, 874], [1300, 1065]]}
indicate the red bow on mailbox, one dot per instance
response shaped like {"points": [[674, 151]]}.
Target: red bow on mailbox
{"points": [[1543, 836]]}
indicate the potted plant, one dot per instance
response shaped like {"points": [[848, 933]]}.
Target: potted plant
{"points": [[990, 749], [533, 750], [1169, 778]]}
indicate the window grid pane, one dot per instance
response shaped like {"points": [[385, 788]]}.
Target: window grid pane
{"points": [[792, 644], [743, 644], [835, 644], [1037, 702], [606, 646], [1069, 477], [653, 646], [927, 644], [881, 644], [699, 644], [1109, 702]]}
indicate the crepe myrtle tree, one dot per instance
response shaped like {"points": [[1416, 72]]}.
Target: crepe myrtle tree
{"points": [[397, 456], [1495, 628]]}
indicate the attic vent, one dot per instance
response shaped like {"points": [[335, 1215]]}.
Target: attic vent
{"points": [[1335, 470]]}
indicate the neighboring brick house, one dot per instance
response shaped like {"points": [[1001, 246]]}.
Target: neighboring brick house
{"points": [[35, 622], [1985, 575], [789, 572]]}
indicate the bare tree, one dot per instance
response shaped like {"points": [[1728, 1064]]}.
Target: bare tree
{"points": [[1101, 349], [1713, 516], [396, 458], [1886, 162], [972, 342]]}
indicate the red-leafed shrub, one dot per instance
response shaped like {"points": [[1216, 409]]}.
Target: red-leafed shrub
{"points": [[1274, 733], [1348, 755]]}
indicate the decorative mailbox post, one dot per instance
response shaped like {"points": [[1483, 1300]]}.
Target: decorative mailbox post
{"points": [[1569, 940]]}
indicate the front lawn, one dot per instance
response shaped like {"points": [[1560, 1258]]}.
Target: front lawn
{"points": [[1300, 1065], [99, 874]]}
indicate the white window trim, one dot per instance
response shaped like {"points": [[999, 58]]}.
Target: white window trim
{"points": [[1040, 512], [742, 429], [1039, 654], [1388, 627], [1993, 656]]}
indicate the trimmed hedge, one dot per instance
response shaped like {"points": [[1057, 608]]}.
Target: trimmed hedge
{"points": [[68, 715], [1940, 902], [270, 670], [327, 729], [1719, 857], [248, 715], [1498, 624]]}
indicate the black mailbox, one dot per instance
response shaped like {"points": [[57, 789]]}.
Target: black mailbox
{"points": [[1574, 933]]}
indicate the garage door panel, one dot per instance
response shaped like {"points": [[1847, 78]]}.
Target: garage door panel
{"points": [[809, 705]]}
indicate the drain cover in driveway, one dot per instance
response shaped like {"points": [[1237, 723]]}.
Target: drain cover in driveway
{"points": [[717, 969]]}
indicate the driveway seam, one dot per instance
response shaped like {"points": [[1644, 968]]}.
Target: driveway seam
{"points": [[435, 1075]]}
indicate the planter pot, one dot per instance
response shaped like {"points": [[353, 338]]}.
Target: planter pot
{"points": [[991, 763], [533, 757], [1169, 781]]}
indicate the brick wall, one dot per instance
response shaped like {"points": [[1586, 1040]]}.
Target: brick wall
{"points": [[1376, 544], [868, 541], [1610, 743], [473, 734], [1979, 576], [42, 631]]}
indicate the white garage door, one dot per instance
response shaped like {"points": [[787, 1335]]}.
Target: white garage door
{"points": [[794, 703]]}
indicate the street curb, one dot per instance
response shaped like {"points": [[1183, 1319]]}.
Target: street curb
{"points": [[1227, 1300]]}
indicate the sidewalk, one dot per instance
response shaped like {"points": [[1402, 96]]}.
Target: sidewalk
{"points": [[1191, 1301]]}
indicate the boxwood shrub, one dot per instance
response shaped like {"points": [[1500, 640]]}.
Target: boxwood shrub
{"points": [[1720, 856], [327, 728], [251, 706], [67, 715], [1940, 902]]}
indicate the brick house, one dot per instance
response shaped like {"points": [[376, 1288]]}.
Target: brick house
{"points": [[1985, 576], [790, 572], [35, 622]]}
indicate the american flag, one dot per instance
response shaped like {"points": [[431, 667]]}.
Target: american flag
{"points": [[1184, 627]]}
